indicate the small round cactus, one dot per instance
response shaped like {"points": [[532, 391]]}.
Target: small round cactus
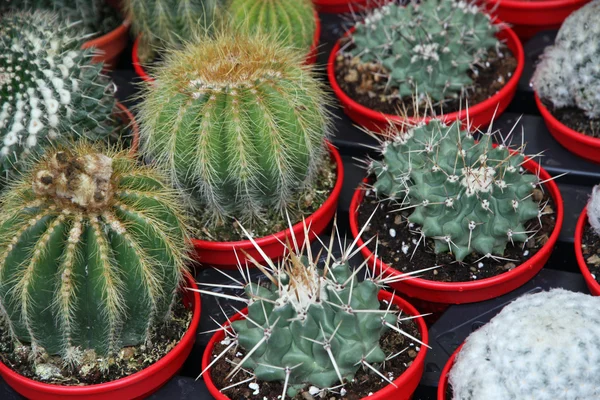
{"points": [[166, 24], [92, 251], [428, 48], [49, 88], [291, 21], [568, 74], [468, 196], [239, 123], [541, 346]]}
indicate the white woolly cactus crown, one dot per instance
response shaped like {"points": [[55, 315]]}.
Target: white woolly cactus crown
{"points": [[569, 72], [541, 346], [593, 209]]}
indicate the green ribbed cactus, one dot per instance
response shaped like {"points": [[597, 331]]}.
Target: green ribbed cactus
{"points": [[94, 16], [466, 195], [49, 89], [238, 121], [169, 23], [92, 250], [427, 48], [291, 21]]}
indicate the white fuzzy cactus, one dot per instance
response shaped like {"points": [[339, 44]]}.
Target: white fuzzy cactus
{"points": [[593, 209], [569, 72], [541, 346]]}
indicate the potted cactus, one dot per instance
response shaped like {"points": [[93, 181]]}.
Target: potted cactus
{"points": [[530, 17], [100, 20], [315, 329], [50, 90], [587, 242], [295, 22], [567, 83], [93, 259], [486, 216], [241, 126], [433, 56], [540, 346]]}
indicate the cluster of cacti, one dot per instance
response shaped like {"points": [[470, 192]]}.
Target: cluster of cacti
{"points": [[92, 16], [466, 195], [426, 49], [593, 209], [314, 323], [92, 250], [49, 89], [541, 346], [291, 21], [568, 74], [238, 122], [169, 23]]}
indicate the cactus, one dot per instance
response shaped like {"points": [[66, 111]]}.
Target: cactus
{"points": [[93, 16], [238, 121], [92, 251], [314, 323], [166, 24], [568, 74], [426, 49], [49, 89], [540, 346], [292, 21], [593, 209], [467, 196]]}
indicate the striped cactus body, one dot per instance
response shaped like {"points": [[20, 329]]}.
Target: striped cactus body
{"points": [[92, 251]]}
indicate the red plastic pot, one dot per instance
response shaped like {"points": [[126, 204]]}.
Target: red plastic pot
{"points": [[577, 143], [472, 291], [443, 384], [344, 6], [223, 254], [479, 115], [111, 45], [530, 17], [128, 119], [135, 386], [591, 283], [406, 383], [311, 57]]}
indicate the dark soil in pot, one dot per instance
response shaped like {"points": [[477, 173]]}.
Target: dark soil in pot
{"points": [[398, 240], [94, 369], [575, 119], [365, 85], [309, 201], [364, 384], [590, 247]]}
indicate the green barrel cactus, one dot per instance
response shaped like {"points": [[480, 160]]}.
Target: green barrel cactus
{"points": [[239, 123], [169, 23], [426, 48], [49, 88], [92, 251], [466, 195], [94, 17], [292, 21]]}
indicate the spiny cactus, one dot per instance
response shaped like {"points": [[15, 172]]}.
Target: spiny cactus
{"points": [[568, 74], [313, 323], [166, 24], [426, 48], [92, 250], [238, 121], [466, 195], [541, 346], [593, 209], [292, 21], [49, 89]]}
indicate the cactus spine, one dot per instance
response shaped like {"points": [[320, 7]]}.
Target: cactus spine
{"points": [[92, 251], [466, 195], [426, 48], [291, 21], [239, 123], [49, 89]]}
